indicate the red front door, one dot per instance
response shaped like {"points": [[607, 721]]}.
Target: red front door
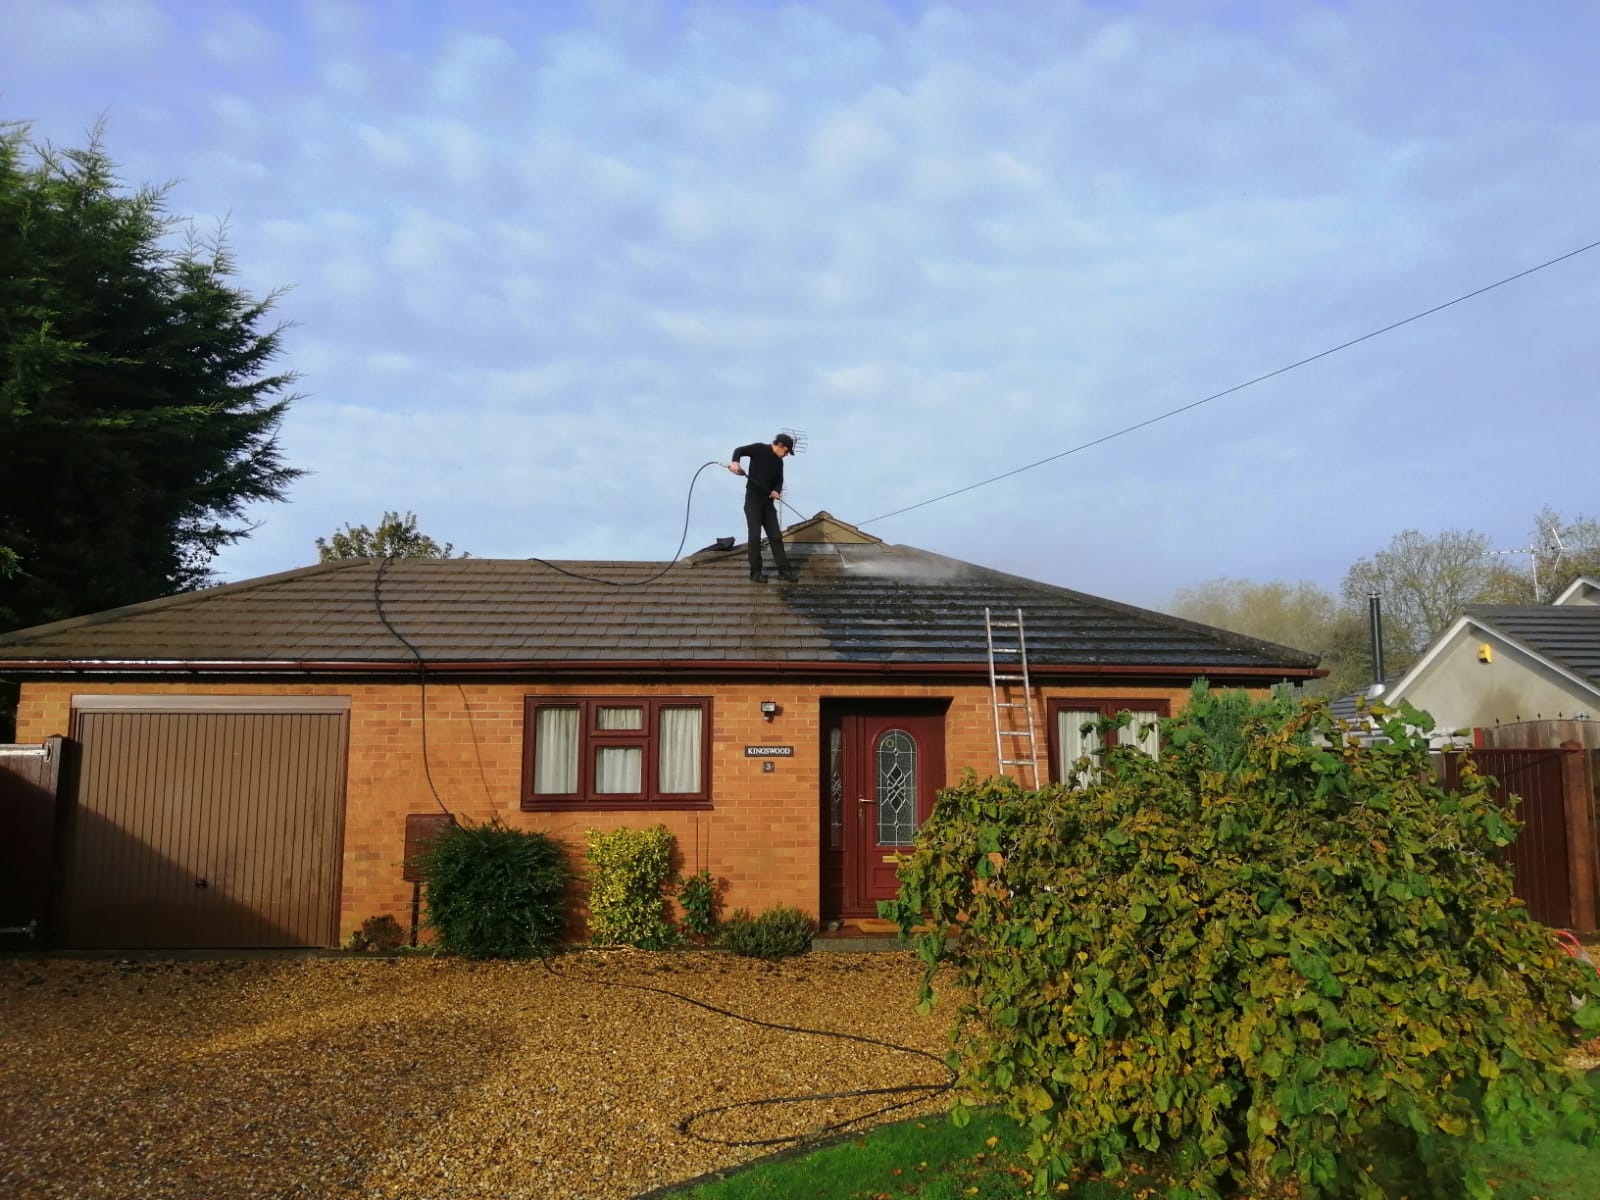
{"points": [[883, 767]]}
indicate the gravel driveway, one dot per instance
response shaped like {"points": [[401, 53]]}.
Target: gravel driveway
{"points": [[430, 1078]]}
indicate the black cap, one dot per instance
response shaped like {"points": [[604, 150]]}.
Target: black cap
{"points": [[784, 440]]}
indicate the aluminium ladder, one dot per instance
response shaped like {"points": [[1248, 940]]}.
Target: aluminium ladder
{"points": [[1015, 743]]}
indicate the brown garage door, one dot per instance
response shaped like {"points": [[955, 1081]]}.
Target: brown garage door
{"points": [[210, 828]]}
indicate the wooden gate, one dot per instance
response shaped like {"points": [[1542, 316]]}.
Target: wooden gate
{"points": [[29, 780], [1553, 857]]}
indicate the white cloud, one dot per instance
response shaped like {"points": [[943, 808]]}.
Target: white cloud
{"points": [[944, 241], [67, 35], [470, 67], [236, 40]]}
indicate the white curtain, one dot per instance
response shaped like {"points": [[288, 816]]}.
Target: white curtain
{"points": [[619, 769], [1142, 731], [1073, 742], [555, 766], [612, 716], [678, 753]]}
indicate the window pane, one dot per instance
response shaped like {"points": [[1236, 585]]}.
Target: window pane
{"points": [[613, 717], [897, 788], [678, 755], [618, 769], [555, 742], [835, 788], [1073, 742], [1144, 731]]}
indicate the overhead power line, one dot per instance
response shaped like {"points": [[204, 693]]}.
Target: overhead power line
{"points": [[1238, 387]]}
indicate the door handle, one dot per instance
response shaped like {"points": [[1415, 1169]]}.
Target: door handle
{"points": [[862, 800]]}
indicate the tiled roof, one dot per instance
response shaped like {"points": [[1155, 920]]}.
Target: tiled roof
{"points": [[1568, 634], [1349, 706], [858, 601]]}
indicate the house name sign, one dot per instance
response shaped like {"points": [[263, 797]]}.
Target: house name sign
{"points": [[769, 751]]}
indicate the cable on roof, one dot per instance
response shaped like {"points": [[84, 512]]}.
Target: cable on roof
{"points": [[649, 579], [422, 663], [1239, 387]]}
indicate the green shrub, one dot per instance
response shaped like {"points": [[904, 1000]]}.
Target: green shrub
{"points": [[628, 874], [697, 896], [381, 934], [493, 892], [1282, 955], [779, 932]]}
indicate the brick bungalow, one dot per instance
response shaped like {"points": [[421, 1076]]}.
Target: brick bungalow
{"points": [[242, 760]]}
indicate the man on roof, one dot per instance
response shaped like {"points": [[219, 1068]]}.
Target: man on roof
{"points": [[762, 490]]}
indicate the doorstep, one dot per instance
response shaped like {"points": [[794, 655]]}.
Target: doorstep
{"points": [[852, 941], [863, 933]]}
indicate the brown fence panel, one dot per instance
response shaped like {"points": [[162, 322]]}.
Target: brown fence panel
{"points": [[1540, 857], [1541, 735], [29, 780]]}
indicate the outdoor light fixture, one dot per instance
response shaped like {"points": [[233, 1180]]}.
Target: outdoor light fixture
{"points": [[769, 709]]}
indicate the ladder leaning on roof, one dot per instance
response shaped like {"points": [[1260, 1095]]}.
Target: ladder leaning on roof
{"points": [[1013, 720]]}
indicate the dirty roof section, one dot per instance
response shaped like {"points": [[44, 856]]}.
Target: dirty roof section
{"points": [[858, 601], [1567, 634]]}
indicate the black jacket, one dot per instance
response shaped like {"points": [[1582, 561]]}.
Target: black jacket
{"points": [[765, 472]]}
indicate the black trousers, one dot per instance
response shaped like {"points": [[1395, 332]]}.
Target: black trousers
{"points": [[761, 513]]}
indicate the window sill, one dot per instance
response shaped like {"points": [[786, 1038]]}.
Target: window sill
{"points": [[616, 805]]}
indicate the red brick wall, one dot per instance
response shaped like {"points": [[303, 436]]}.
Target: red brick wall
{"points": [[762, 836]]}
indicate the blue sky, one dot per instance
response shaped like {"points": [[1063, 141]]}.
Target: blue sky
{"points": [[545, 260]]}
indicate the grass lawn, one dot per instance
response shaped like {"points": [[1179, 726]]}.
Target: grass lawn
{"points": [[931, 1159]]}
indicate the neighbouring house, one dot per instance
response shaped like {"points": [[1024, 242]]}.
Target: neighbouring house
{"points": [[242, 761], [1506, 664], [1519, 684]]}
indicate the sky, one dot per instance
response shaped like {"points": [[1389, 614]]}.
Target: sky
{"points": [[542, 261]]}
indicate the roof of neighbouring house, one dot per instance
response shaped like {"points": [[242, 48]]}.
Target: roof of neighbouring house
{"points": [[1564, 635], [1349, 706], [1582, 590], [1568, 635], [859, 601]]}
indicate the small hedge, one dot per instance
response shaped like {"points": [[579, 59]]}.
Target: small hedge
{"points": [[494, 892], [380, 934], [779, 932], [629, 870], [697, 896]]}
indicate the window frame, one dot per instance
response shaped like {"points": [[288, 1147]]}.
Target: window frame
{"points": [[591, 738], [1106, 706]]}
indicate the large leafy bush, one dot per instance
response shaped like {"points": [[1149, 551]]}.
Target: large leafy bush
{"points": [[494, 892], [1275, 953]]}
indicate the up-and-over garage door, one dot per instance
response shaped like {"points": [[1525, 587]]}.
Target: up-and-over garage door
{"points": [[204, 822]]}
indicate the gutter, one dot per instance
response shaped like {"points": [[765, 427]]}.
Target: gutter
{"points": [[611, 667]]}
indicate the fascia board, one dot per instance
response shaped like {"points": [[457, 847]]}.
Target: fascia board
{"points": [[1582, 581]]}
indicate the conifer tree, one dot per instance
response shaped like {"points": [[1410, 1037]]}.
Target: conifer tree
{"points": [[139, 404]]}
